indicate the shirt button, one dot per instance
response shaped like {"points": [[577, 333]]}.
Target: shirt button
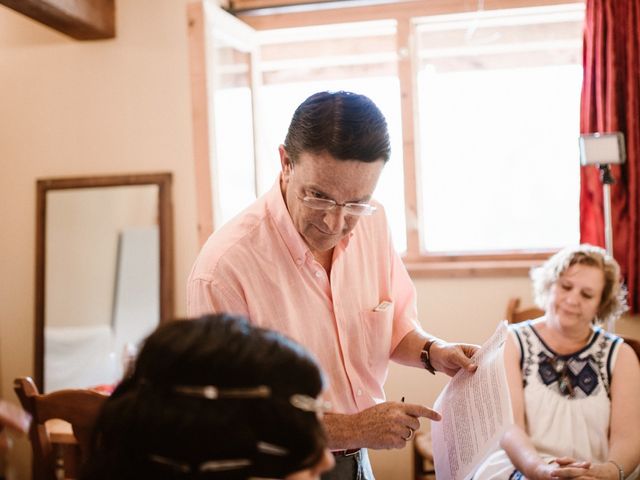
{"points": [[299, 261], [359, 392], [318, 274]]}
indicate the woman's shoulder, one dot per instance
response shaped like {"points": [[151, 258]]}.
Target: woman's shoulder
{"points": [[527, 326], [627, 354], [605, 341]]}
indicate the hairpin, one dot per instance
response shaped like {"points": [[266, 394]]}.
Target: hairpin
{"points": [[271, 449], [221, 464], [309, 404], [209, 466], [211, 392]]}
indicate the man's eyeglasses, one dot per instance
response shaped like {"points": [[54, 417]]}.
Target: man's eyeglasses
{"points": [[326, 205]]}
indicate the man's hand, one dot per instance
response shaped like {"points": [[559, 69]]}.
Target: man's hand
{"points": [[445, 357], [451, 357], [387, 425]]}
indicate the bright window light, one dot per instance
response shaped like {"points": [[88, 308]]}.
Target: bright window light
{"points": [[499, 109]]}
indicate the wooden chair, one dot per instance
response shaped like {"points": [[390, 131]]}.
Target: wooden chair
{"points": [[515, 315], [79, 408], [423, 468]]}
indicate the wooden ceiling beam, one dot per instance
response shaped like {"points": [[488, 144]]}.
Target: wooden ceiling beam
{"points": [[80, 19]]}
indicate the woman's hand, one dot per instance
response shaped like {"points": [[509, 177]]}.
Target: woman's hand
{"points": [[586, 470], [567, 467], [564, 467]]}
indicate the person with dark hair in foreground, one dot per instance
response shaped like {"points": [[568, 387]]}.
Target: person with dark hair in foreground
{"points": [[213, 398], [313, 258]]}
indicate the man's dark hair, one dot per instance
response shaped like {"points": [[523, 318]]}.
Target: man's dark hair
{"points": [[148, 429], [346, 125]]}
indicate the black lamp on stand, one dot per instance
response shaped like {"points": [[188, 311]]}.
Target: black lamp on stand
{"points": [[603, 150]]}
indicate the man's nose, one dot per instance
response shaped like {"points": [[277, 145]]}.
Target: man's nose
{"points": [[334, 219]]}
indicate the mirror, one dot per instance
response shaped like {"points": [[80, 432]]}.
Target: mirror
{"points": [[104, 274]]}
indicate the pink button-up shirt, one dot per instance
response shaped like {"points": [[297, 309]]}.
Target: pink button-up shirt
{"points": [[259, 266]]}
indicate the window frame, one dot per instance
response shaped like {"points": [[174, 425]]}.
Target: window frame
{"points": [[406, 15]]}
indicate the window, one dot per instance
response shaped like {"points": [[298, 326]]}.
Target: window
{"points": [[229, 58], [499, 109], [485, 104]]}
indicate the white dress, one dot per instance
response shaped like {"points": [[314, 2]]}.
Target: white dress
{"points": [[566, 397]]}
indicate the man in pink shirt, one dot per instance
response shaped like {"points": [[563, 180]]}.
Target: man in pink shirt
{"points": [[313, 258]]}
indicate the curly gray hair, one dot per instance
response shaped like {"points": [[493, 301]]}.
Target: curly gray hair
{"points": [[613, 302]]}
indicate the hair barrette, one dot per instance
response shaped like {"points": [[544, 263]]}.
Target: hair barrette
{"points": [[211, 392], [208, 466]]}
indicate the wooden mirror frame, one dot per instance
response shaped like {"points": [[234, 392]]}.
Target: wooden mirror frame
{"points": [[165, 228]]}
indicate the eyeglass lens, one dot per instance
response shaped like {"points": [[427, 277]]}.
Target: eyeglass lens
{"points": [[326, 204]]}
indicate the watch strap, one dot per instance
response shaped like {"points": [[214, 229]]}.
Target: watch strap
{"points": [[425, 356]]}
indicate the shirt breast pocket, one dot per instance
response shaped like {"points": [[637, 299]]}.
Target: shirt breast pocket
{"points": [[377, 326]]}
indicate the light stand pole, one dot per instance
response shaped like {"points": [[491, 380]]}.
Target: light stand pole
{"points": [[604, 149], [607, 180]]}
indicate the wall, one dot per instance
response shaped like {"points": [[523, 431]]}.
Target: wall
{"points": [[70, 108], [123, 106]]}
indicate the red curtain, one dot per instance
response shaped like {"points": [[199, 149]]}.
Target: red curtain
{"points": [[611, 102]]}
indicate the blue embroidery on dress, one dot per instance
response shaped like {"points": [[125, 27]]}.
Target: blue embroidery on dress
{"points": [[575, 376], [566, 375], [527, 353], [547, 371], [587, 379]]}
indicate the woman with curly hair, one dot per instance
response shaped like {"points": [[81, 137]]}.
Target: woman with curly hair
{"points": [[574, 387]]}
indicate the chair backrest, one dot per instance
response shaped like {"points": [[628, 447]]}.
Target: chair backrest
{"points": [[78, 407], [515, 315]]}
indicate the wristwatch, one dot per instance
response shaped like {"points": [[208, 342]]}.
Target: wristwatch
{"points": [[426, 357]]}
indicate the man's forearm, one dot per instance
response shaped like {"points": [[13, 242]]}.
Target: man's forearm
{"points": [[342, 431], [408, 350]]}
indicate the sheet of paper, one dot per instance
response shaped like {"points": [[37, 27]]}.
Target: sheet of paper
{"points": [[476, 410]]}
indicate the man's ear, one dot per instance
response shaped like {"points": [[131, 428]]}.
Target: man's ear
{"points": [[285, 163]]}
